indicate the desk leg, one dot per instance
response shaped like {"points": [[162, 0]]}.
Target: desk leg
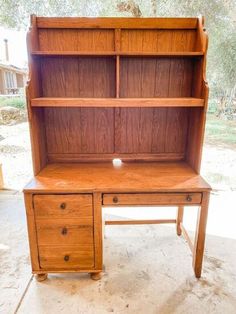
{"points": [[179, 219], [199, 242]]}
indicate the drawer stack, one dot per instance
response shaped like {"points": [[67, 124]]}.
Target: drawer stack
{"points": [[65, 231]]}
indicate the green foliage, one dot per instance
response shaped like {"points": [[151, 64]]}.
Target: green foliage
{"points": [[15, 13], [212, 105], [219, 131], [17, 102]]}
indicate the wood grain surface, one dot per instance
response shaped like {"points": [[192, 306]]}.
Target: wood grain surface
{"points": [[76, 39], [78, 77], [80, 256], [117, 102], [106, 22], [129, 177], [152, 199], [63, 206], [64, 231]]}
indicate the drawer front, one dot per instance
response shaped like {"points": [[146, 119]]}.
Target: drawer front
{"points": [[66, 257], [64, 231], [152, 199], [66, 206]]}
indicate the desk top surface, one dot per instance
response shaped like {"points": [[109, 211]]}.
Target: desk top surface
{"points": [[126, 177]]}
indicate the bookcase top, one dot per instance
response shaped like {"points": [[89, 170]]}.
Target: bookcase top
{"points": [[118, 22]]}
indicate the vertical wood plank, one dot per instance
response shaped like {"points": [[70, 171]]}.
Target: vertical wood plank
{"points": [[33, 243], [176, 130], [33, 90], [158, 40], [195, 138], [201, 42], [104, 130], [162, 77], [80, 130], [151, 130], [76, 39], [98, 231], [117, 39], [117, 48], [197, 120], [53, 75], [156, 77], [159, 130], [117, 76], [200, 234], [78, 77], [197, 82], [181, 71]]}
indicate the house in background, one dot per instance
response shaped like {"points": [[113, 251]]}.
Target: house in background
{"points": [[12, 78]]}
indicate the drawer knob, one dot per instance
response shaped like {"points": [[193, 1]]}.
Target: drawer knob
{"points": [[64, 231], [115, 199], [66, 258], [63, 205], [189, 198]]}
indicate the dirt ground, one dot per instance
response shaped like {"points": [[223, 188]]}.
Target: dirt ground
{"points": [[15, 155], [218, 165]]}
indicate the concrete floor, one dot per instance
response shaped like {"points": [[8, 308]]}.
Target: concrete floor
{"points": [[147, 268]]}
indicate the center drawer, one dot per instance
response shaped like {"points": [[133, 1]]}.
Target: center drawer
{"points": [[152, 199]]}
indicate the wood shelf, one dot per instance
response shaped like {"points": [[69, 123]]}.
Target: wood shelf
{"points": [[119, 53], [128, 177], [117, 102]]}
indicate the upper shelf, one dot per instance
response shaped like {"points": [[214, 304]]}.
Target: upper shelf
{"points": [[117, 102], [119, 53]]}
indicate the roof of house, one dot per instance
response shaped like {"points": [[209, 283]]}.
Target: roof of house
{"points": [[10, 67]]}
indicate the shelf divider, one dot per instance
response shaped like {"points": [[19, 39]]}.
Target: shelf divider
{"points": [[117, 50], [117, 76]]}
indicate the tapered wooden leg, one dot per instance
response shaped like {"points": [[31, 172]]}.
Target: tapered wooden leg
{"points": [[41, 277], [96, 276], [179, 219], [199, 242]]}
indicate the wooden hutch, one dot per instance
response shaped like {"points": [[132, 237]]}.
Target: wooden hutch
{"points": [[106, 88]]}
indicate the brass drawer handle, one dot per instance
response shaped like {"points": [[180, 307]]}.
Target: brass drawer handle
{"points": [[66, 258], [64, 231], [63, 205], [115, 199], [189, 198]]}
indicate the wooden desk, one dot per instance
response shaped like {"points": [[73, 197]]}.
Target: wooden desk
{"points": [[64, 196], [107, 88]]}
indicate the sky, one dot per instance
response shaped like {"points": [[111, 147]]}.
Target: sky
{"points": [[16, 44]]}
